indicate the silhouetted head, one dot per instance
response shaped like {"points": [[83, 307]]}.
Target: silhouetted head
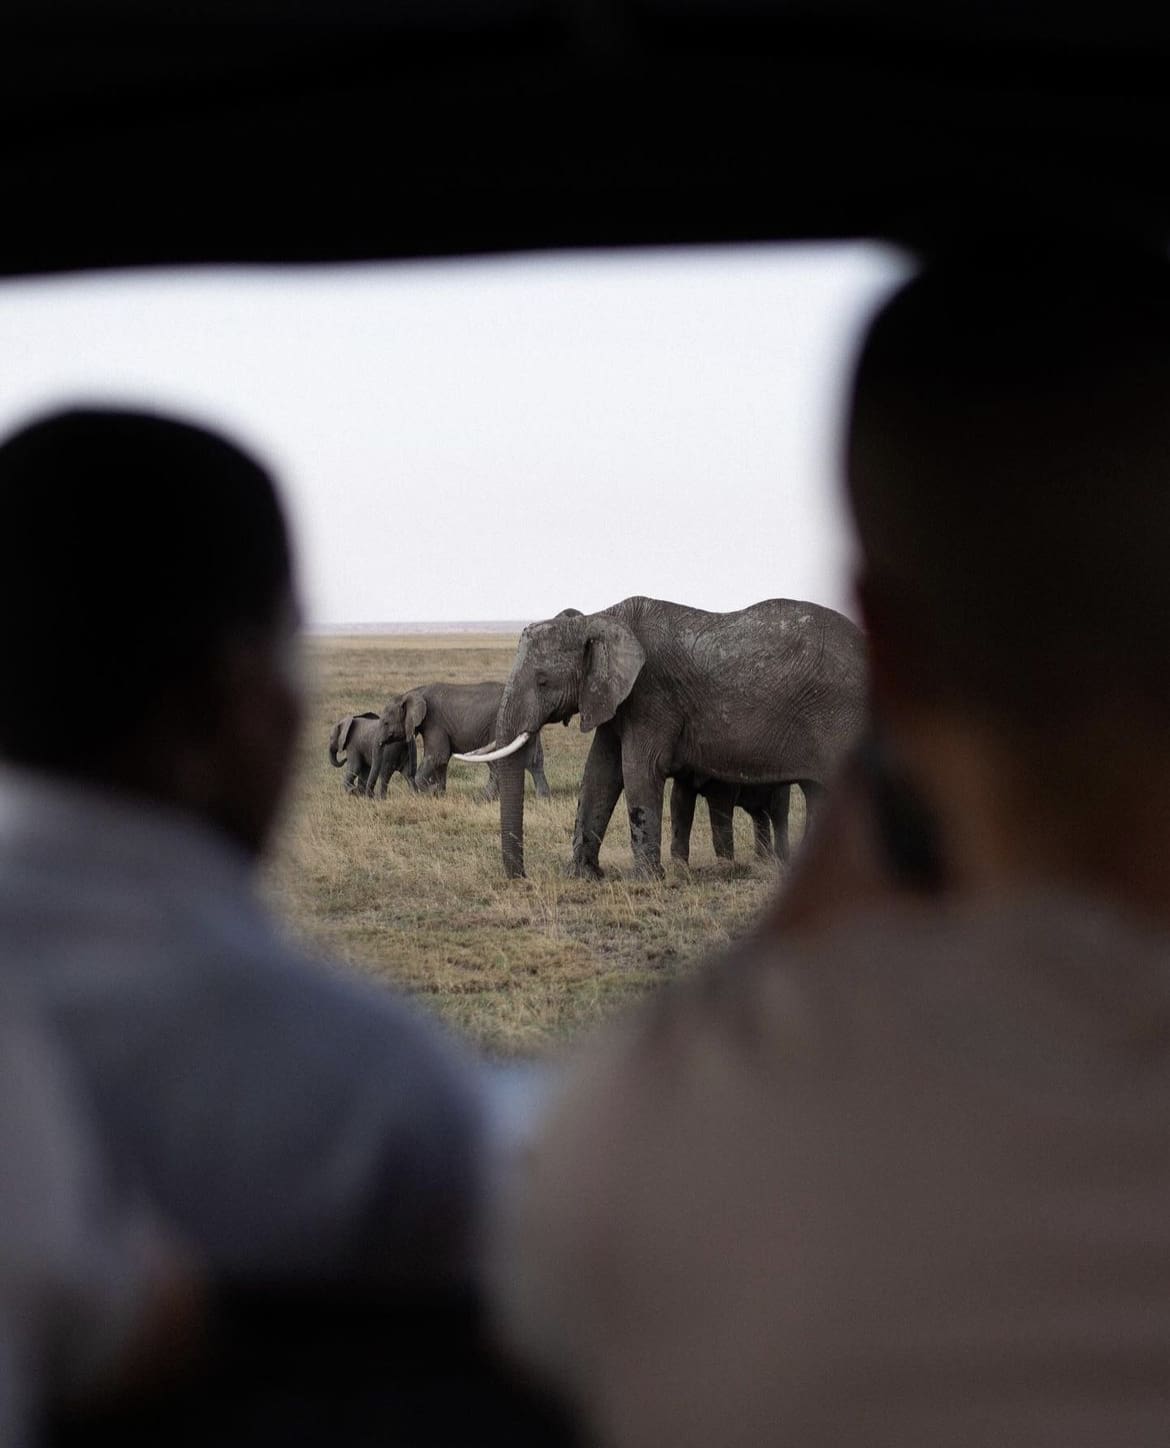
{"points": [[147, 614], [1009, 465], [1009, 468]]}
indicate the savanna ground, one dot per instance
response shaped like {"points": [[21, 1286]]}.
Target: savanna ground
{"points": [[410, 890]]}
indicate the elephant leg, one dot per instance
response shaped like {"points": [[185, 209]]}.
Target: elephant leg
{"points": [[682, 815], [491, 790], [354, 779], [601, 785], [779, 809], [644, 787], [762, 828], [432, 774], [439, 753], [721, 807], [386, 767]]}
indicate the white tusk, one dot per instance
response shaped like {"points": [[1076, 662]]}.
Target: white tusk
{"points": [[475, 753], [519, 742]]}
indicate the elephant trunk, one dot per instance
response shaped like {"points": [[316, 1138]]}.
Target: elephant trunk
{"points": [[374, 770], [511, 783], [333, 759]]}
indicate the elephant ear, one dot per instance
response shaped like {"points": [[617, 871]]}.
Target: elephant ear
{"points": [[415, 712], [613, 661], [343, 731]]}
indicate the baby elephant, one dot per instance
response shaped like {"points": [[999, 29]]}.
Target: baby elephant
{"points": [[365, 764], [767, 804]]}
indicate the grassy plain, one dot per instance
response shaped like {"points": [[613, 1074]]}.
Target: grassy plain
{"points": [[410, 890]]}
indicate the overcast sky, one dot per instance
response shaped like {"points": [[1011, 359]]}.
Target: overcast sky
{"points": [[500, 439]]}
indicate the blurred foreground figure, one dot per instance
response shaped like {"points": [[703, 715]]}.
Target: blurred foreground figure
{"points": [[295, 1123], [94, 1299], [900, 1177]]}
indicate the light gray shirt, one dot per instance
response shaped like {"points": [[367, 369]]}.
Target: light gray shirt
{"points": [[76, 1261], [290, 1118]]}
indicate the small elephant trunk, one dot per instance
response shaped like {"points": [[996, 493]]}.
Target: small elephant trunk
{"points": [[333, 759]]}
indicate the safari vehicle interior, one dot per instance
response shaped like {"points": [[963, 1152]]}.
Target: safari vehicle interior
{"points": [[256, 133]]}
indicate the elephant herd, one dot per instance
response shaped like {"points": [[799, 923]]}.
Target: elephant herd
{"points": [[447, 717], [737, 707]]}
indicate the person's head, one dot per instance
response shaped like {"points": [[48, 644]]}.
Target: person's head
{"points": [[1008, 464], [147, 614]]}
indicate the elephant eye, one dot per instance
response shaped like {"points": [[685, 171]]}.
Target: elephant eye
{"points": [[541, 679]]}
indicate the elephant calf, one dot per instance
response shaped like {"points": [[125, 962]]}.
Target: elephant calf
{"points": [[766, 804], [367, 765]]}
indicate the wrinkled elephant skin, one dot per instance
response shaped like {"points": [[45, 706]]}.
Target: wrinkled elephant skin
{"points": [[769, 695]]}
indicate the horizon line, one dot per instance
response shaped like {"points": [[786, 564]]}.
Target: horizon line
{"points": [[419, 625]]}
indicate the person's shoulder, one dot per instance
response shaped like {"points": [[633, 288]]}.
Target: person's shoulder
{"points": [[967, 983], [282, 986]]}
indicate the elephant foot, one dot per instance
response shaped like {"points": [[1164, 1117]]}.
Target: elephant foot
{"points": [[584, 870], [648, 870]]}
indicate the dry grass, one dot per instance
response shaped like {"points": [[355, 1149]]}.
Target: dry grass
{"points": [[411, 890]]}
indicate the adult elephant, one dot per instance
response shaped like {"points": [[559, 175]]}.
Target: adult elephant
{"points": [[366, 765], [451, 718], [766, 805], [770, 694]]}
